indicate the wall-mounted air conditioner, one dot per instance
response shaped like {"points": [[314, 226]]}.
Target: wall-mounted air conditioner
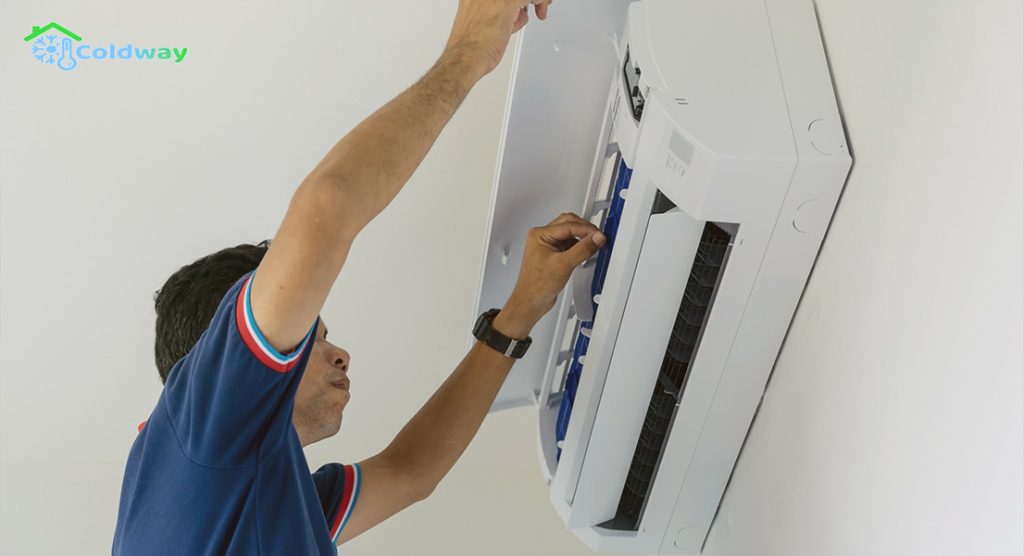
{"points": [[703, 136]]}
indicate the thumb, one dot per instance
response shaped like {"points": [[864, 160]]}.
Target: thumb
{"points": [[521, 21], [585, 248]]}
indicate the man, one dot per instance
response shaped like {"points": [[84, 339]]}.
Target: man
{"points": [[250, 378]]}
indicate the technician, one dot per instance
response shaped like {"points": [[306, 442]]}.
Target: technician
{"points": [[250, 377]]}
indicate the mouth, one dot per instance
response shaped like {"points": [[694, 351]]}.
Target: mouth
{"points": [[343, 383]]}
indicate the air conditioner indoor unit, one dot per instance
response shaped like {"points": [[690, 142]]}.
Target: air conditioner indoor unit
{"points": [[704, 138]]}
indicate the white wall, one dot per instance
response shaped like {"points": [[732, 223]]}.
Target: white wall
{"points": [[892, 424]]}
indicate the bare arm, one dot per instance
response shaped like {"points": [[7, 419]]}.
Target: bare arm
{"points": [[376, 158], [364, 171], [428, 446], [372, 163]]}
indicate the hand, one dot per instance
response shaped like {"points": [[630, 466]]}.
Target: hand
{"points": [[482, 29], [551, 254]]}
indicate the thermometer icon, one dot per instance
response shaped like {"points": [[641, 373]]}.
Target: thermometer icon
{"points": [[66, 60]]}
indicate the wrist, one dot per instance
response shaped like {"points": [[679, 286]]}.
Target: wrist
{"points": [[466, 60], [514, 322]]}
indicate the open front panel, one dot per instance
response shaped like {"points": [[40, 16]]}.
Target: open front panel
{"points": [[553, 127]]}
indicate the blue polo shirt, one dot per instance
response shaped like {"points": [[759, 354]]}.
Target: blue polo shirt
{"points": [[218, 468]]}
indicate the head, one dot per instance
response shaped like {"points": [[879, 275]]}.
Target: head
{"points": [[185, 305]]}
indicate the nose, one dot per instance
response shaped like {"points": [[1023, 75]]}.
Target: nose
{"points": [[340, 358]]}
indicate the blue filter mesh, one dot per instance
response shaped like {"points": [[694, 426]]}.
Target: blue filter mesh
{"points": [[580, 342]]}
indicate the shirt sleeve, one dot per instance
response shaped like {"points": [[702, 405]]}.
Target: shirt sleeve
{"points": [[230, 399], [338, 488]]}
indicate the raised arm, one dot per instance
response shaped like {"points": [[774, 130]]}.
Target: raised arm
{"points": [[364, 171]]}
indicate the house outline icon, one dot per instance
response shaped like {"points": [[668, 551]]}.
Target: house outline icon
{"points": [[37, 30]]}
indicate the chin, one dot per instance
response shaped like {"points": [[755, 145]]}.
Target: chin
{"points": [[337, 427]]}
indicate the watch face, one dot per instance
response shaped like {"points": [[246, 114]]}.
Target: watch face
{"points": [[479, 324], [482, 323]]}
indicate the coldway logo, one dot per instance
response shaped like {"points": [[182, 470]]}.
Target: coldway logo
{"points": [[55, 45]]}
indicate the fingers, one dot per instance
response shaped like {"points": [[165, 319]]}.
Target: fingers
{"points": [[566, 230], [522, 4], [541, 9], [521, 21], [563, 230], [562, 234], [585, 248], [569, 217]]}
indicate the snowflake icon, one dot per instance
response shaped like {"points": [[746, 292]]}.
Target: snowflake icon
{"points": [[54, 48], [45, 49]]}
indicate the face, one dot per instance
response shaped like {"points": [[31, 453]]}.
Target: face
{"points": [[323, 391]]}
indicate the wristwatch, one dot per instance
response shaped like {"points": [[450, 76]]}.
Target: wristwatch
{"points": [[497, 341]]}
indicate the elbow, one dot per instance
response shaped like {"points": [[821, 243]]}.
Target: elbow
{"points": [[331, 205], [418, 479], [421, 484], [423, 492]]}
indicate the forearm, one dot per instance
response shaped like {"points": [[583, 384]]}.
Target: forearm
{"points": [[439, 433], [368, 167]]}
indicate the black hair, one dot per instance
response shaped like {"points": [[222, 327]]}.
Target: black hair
{"points": [[186, 303]]}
